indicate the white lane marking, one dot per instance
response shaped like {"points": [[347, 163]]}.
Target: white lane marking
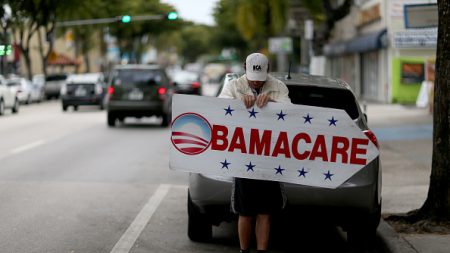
{"points": [[27, 147], [135, 229]]}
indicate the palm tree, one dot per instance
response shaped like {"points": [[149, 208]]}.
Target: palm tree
{"points": [[257, 20]]}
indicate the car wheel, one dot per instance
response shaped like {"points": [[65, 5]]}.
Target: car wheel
{"points": [[364, 233], [199, 228], [111, 119], [64, 108], [165, 120], [15, 108], [28, 100], [2, 107], [102, 107], [75, 107]]}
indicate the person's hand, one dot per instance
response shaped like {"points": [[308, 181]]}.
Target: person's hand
{"points": [[262, 100], [249, 100]]}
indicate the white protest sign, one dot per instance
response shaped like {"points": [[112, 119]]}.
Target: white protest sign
{"points": [[281, 142]]}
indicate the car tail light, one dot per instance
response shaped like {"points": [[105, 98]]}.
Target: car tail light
{"points": [[162, 91], [110, 90], [371, 137], [195, 85]]}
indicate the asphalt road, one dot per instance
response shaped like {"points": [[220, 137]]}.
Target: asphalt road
{"points": [[68, 183]]}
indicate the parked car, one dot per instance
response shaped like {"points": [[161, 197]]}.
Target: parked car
{"points": [[24, 90], [83, 89], [139, 91], [355, 205], [8, 98], [53, 84], [186, 82]]}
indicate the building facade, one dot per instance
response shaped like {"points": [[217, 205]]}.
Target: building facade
{"points": [[384, 49]]}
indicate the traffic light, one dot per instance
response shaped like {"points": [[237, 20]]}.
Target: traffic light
{"points": [[172, 15], [125, 19]]}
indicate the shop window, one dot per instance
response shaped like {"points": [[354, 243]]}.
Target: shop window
{"points": [[413, 73]]}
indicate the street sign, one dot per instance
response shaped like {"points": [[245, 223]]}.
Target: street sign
{"points": [[280, 45], [297, 144]]}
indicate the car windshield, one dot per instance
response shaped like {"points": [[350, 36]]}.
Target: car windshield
{"points": [[56, 78], [324, 97], [137, 76]]}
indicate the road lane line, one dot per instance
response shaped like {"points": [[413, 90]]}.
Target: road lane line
{"points": [[27, 147], [130, 236]]}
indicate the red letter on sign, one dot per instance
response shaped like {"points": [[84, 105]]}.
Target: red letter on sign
{"points": [[216, 137], [282, 146], [295, 142], [260, 144], [238, 141], [356, 151], [319, 149], [342, 150]]}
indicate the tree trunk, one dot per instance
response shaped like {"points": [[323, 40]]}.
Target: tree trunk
{"points": [[437, 204], [26, 57]]}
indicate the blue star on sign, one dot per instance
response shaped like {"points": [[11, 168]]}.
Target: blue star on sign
{"points": [[307, 119], [250, 166], [332, 121], [328, 175], [225, 164], [302, 172], [253, 113], [228, 111], [281, 115], [279, 170]]}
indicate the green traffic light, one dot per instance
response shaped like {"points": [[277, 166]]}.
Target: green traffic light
{"points": [[172, 15], [126, 19]]}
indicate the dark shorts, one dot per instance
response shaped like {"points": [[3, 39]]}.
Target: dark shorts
{"points": [[251, 197]]}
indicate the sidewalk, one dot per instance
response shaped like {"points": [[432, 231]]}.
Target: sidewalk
{"points": [[405, 136]]}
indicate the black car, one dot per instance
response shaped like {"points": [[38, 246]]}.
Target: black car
{"points": [[83, 89], [139, 91]]}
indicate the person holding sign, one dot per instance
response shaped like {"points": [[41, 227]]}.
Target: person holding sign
{"points": [[256, 199]]}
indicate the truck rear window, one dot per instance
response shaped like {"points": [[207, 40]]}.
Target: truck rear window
{"points": [[324, 97]]}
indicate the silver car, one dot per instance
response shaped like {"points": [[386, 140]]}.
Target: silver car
{"points": [[355, 205]]}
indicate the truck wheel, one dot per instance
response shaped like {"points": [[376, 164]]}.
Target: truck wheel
{"points": [[111, 119], [199, 228]]}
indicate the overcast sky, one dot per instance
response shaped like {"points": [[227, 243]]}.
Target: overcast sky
{"points": [[199, 11]]}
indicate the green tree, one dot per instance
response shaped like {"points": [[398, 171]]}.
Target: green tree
{"points": [[257, 20], [228, 35], [195, 41]]}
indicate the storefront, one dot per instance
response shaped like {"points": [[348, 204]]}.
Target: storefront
{"points": [[360, 62]]}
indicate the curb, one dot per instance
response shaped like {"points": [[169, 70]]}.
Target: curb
{"points": [[391, 241]]}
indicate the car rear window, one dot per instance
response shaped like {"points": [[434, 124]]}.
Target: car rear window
{"points": [[324, 97], [130, 77], [56, 77]]}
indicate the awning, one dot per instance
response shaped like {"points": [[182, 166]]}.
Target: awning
{"points": [[364, 43], [62, 60]]}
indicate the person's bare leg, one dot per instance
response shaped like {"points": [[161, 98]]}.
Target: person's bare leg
{"points": [[262, 231], [245, 231]]}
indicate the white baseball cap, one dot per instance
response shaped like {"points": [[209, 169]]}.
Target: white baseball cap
{"points": [[256, 67]]}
